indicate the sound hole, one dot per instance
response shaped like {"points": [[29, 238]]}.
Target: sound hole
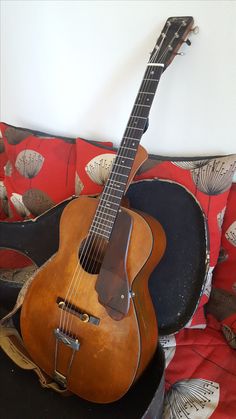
{"points": [[91, 253]]}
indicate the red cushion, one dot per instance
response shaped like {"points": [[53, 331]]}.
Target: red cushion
{"points": [[200, 374], [3, 158], [208, 178], [93, 165], [225, 271], [40, 171]]}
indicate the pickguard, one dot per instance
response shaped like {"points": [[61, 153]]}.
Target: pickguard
{"points": [[112, 283]]}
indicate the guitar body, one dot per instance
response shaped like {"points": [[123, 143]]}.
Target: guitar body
{"points": [[107, 353]]}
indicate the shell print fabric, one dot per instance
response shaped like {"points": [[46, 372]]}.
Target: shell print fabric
{"points": [[40, 169], [190, 165], [17, 201], [29, 163], [216, 176], [8, 168], [193, 399], [220, 217], [99, 168], [230, 234], [169, 345], [79, 186]]}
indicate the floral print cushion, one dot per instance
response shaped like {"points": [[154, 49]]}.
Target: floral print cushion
{"points": [[40, 172], [37, 171], [208, 178], [93, 166], [200, 374]]}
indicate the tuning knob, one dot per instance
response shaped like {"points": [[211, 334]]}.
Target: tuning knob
{"points": [[188, 42], [195, 30]]}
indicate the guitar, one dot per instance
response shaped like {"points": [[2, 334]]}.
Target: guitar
{"points": [[87, 319]]}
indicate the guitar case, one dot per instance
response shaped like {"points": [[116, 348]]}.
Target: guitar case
{"points": [[175, 286]]}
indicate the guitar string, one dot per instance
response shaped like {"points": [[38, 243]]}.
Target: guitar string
{"points": [[99, 248], [129, 133], [133, 128], [116, 163]]}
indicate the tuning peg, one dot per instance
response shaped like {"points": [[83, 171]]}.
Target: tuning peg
{"points": [[195, 30], [180, 53], [188, 42]]}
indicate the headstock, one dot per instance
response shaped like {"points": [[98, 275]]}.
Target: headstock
{"points": [[173, 35]]}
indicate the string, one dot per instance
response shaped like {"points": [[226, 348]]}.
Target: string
{"points": [[90, 242], [116, 163], [93, 258], [132, 139]]}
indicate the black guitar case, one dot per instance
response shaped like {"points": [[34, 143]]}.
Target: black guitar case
{"points": [[175, 286]]}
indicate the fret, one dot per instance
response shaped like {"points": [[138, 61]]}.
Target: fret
{"points": [[100, 228], [140, 129], [127, 148], [126, 157], [108, 207], [146, 93], [131, 138], [117, 181], [145, 97], [143, 110], [117, 173], [150, 84], [140, 104], [118, 190], [107, 215], [107, 221], [120, 165], [137, 122], [100, 234], [114, 196], [148, 79], [139, 117], [111, 202]]}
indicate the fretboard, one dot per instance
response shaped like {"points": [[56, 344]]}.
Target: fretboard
{"points": [[115, 187]]}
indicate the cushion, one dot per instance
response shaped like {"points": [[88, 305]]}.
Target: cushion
{"points": [[208, 178], [37, 171], [93, 166], [225, 271], [200, 374], [223, 300]]}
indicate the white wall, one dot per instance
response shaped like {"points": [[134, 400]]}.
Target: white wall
{"points": [[74, 67]]}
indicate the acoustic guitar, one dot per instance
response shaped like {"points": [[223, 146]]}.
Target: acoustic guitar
{"points": [[87, 319]]}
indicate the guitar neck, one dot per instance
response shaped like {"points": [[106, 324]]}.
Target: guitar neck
{"points": [[172, 36], [115, 187]]}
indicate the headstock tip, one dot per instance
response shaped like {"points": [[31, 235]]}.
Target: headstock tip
{"points": [[173, 35]]}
